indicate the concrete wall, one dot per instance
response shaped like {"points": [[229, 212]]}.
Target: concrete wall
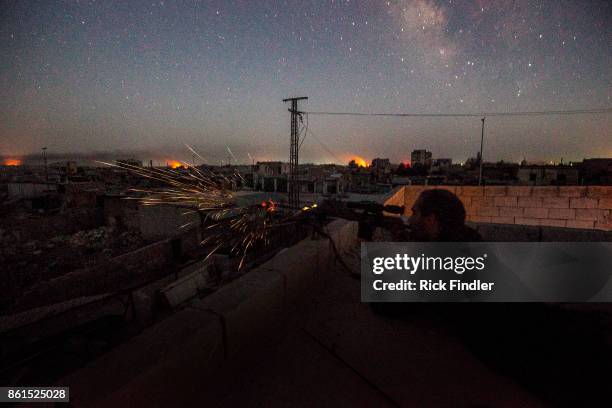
{"points": [[199, 339], [81, 199], [128, 270], [29, 190], [49, 226], [585, 207], [164, 221], [120, 211]]}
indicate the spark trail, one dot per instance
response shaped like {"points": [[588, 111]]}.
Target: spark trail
{"points": [[226, 225]]}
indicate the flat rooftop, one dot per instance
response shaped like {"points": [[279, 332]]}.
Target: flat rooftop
{"points": [[334, 350]]}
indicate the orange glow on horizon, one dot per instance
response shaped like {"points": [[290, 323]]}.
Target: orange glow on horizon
{"points": [[13, 162], [360, 161], [173, 164]]}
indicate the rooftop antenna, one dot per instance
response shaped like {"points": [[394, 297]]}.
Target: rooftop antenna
{"points": [[481, 159]]}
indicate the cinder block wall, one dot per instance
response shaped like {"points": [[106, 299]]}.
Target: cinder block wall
{"points": [[586, 207]]}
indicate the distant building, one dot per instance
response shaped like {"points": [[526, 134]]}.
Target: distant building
{"points": [[71, 168], [421, 157], [381, 163], [500, 173], [361, 180], [549, 175], [381, 169], [270, 176], [271, 168], [67, 168], [472, 162], [597, 171], [334, 184], [29, 189], [130, 162], [440, 165], [322, 179]]}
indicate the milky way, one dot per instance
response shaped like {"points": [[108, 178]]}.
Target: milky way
{"points": [[148, 77]]}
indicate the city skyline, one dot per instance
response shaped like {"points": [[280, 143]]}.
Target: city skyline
{"points": [[146, 78], [98, 159]]}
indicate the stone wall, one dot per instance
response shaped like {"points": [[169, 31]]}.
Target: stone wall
{"points": [[585, 207]]}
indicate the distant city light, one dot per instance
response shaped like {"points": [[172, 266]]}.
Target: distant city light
{"points": [[13, 162]]}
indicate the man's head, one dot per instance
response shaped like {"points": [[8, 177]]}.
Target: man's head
{"points": [[436, 214]]}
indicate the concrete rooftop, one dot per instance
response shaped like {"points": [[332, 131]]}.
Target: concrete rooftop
{"points": [[233, 348]]}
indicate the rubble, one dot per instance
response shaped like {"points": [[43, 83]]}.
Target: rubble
{"points": [[98, 238], [25, 263]]}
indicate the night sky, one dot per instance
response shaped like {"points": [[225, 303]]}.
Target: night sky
{"points": [[146, 78]]}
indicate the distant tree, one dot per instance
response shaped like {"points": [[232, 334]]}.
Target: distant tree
{"points": [[472, 163], [403, 170], [352, 164]]}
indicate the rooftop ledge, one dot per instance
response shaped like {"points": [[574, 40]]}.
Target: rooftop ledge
{"points": [[209, 331], [212, 342]]}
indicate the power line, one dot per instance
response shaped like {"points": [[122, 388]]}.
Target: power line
{"points": [[327, 149], [469, 115], [305, 129], [481, 115]]}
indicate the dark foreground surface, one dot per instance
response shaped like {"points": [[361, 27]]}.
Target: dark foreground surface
{"points": [[336, 351]]}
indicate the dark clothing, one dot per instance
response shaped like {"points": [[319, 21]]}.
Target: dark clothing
{"points": [[461, 234]]}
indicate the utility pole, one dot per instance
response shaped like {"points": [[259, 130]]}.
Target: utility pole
{"points": [[44, 149], [481, 159], [293, 186]]}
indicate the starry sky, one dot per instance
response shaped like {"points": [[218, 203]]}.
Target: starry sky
{"points": [[144, 78]]}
